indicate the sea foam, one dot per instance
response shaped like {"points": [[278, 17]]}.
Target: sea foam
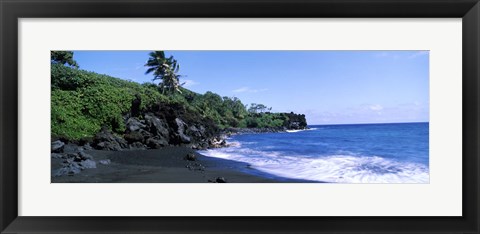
{"points": [[365, 153], [332, 168], [301, 130]]}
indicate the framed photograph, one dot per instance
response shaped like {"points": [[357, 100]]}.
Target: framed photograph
{"points": [[253, 116]]}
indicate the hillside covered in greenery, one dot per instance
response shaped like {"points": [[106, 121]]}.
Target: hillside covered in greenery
{"points": [[85, 103]]}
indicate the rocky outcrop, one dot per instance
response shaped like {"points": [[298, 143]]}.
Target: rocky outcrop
{"points": [[157, 126], [161, 126], [291, 122], [180, 132], [153, 132], [73, 163], [296, 121], [134, 124], [106, 140], [136, 136], [233, 131], [171, 124], [156, 143], [57, 146]]}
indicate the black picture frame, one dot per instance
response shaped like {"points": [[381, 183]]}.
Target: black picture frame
{"points": [[11, 11]]}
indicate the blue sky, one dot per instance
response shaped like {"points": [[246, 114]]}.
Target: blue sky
{"points": [[330, 87]]}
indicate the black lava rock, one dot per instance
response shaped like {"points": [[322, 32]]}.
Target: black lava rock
{"points": [[57, 147], [221, 180], [191, 157]]}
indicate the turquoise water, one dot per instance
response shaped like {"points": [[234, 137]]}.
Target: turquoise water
{"points": [[361, 153]]}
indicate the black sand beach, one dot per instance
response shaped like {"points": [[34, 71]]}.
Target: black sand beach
{"points": [[166, 165]]}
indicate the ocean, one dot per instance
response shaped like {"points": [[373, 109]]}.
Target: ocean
{"points": [[356, 153]]}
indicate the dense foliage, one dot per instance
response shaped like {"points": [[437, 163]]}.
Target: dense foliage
{"points": [[63, 57], [83, 102]]}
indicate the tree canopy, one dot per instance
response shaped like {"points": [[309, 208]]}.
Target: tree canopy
{"points": [[258, 108], [63, 57]]}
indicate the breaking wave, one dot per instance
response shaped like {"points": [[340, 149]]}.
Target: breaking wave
{"points": [[326, 168]]}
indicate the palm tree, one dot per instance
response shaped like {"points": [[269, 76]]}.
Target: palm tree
{"points": [[164, 69]]}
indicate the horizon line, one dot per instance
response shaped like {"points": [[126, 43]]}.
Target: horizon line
{"points": [[369, 123]]}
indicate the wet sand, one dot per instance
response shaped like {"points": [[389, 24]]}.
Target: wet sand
{"points": [[166, 165]]}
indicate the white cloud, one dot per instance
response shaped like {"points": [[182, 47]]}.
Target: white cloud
{"points": [[189, 83], [248, 90], [240, 90], [376, 107]]}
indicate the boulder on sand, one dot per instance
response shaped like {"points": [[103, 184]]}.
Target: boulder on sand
{"points": [[138, 146], [84, 156], [69, 170], [57, 146], [155, 143], [135, 136], [221, 180], [105, 161], [191, 157], [105, 140], [88, 164], [74, 163]]}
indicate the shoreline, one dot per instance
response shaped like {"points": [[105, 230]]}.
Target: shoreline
{"points": [[241, 131], [165, 165]]}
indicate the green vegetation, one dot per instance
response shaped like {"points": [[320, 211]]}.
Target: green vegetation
{"points": [[83, 102], [266, 120], [63, 57], [258, 108]]}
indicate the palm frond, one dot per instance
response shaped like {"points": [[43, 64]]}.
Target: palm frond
{"points": [[150, 70]]}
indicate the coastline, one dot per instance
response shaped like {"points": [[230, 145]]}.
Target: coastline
{"points": [[240, 131], [165, 165]]}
